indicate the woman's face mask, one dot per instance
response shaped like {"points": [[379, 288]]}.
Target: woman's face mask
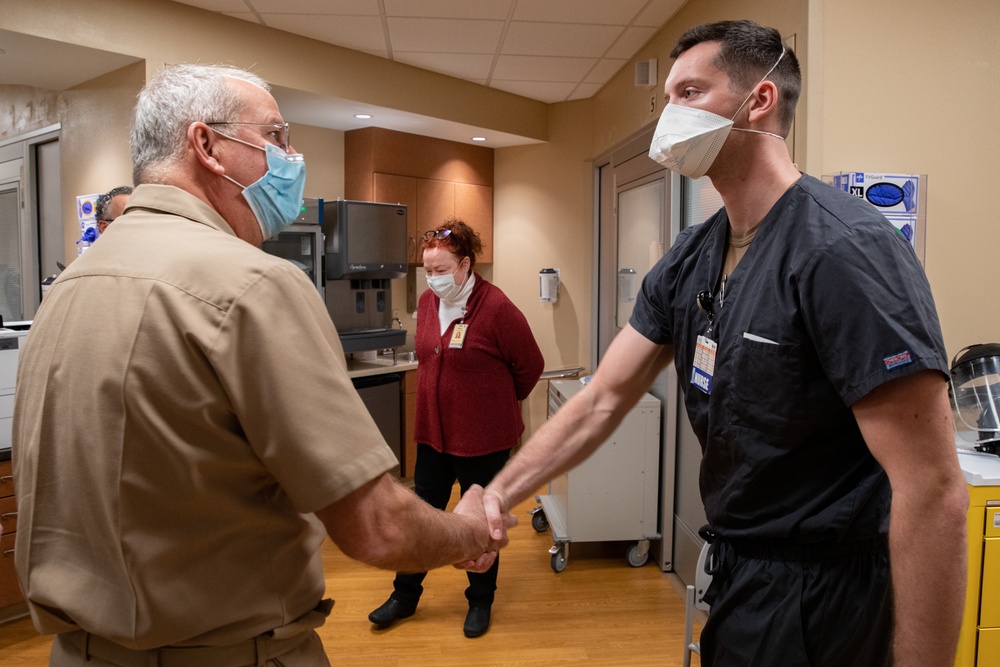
{"points": [[445, 285], [687, 140]]}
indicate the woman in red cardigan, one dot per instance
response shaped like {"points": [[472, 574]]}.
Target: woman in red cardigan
{"points": [[477, 360]]}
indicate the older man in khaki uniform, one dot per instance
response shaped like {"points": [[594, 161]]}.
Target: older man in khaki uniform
{"points": [[175, 482]]}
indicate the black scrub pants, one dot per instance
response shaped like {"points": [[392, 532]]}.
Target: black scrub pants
{"points": [[433, 478], [787, 606]]}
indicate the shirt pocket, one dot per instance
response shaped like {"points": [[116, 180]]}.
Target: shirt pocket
{"points": [[767, 391]]}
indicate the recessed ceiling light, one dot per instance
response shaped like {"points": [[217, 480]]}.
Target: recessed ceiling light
{"points": [[362, 116], [479, 138]]}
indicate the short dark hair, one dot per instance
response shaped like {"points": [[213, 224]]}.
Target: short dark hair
{"points": [[101, 207], [748, 51], [463, 241]]}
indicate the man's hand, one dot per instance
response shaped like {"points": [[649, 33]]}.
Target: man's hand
{"points": [[472, 505], [496, 511]]}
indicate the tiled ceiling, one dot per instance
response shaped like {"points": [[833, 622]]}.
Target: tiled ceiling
{"points": [[548, 50]]}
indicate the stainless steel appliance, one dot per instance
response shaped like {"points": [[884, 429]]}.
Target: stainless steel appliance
{"points": [[381, 395], [365, 248], [302, 245], [364, 240], [351, 250]]}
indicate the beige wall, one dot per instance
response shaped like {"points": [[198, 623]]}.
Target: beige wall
{"points": [[94, 140], [324, 151], [24, 109], [543, 211], [922, 97]]}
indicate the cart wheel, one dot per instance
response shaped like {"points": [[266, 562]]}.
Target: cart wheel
{"points": [[539, 521], [636, 557], [558, 562]]}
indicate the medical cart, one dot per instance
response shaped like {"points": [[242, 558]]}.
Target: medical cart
{"points": [[613, 495]]}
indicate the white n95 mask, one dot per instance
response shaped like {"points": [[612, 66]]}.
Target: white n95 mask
{"points": [[687, 140]]}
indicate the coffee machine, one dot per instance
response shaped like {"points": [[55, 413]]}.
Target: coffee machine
{"points": [[365, 248]]}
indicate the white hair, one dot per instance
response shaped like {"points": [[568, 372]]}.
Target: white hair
{"points": [[173, 99]]}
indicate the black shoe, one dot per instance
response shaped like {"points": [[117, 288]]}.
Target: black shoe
{"points": [[390, 612], [477, 622]]}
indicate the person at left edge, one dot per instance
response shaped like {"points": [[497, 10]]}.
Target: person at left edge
{"points": [[175, 481]]}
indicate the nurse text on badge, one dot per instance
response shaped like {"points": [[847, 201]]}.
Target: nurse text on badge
{"points": [[704, 364], [458, 336]]}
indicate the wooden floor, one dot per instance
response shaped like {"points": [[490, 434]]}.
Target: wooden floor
{"points": [[598, 611]]}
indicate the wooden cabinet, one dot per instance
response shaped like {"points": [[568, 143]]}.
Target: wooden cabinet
{"points": [[436, 179], [409, 404], [395, 189], [430, 202], [474, 204], [10, 590]]}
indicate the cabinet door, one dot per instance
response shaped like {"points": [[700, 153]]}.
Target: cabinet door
{"points": [[10, 590], [474, 205], [8, 514], [989, 648], [394, 189], [410, 412], [435, 204], [6, 479], [989, 604]]}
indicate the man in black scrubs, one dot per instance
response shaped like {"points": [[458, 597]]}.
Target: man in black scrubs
{"points": [[814, 374]]}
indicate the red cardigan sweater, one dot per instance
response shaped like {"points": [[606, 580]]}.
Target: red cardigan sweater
{"points": [[467, 398]]}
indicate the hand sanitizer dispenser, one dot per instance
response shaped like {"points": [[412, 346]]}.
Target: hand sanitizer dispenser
{"points": [[548, 288]]}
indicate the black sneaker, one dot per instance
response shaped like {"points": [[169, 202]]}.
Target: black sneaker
{"points": [[391, 611]]}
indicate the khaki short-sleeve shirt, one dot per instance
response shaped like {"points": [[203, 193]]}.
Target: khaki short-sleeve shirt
{"points": [[182, 407]]}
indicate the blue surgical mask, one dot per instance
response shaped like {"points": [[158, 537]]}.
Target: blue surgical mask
{"points": [[276, 198]]}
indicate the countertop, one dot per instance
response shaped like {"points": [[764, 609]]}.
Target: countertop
{"points": [[381, 366], [980, 469]]}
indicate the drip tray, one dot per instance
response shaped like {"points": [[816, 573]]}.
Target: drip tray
{"points": [[372, 339]]}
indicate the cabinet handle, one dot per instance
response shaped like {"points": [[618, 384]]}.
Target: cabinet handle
{"points": [[6, 478], [7, 553], [7, 515]]}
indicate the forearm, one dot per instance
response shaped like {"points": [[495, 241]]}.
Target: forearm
{"points": [[927, 541], [563, 442], [388, 526]]}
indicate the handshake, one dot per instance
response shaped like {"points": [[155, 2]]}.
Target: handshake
{"points": [[488, 519]]}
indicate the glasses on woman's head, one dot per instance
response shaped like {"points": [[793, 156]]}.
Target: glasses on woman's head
{"points": [[280, 132], [439, 234]]}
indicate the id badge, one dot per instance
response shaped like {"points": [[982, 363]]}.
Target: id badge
{"points": [[704, 364], [458, 336]]}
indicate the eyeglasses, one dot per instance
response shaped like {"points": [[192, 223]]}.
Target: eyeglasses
{"points": [[439, 234], [280, 132]]}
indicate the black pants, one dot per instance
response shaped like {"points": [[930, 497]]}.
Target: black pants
{"points": [[433, 478], [787, 606]]}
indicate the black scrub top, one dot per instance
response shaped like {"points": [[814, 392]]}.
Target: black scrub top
{"points": [[828, 302]]}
